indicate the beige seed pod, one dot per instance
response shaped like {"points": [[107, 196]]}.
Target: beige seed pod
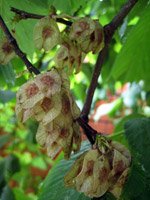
{"points": [[122, 149], [74, 171], [104, 168], [49, 83], [116, 189], [6, 51], [81, 29], [46, 34], [69, 55], [96, 41], [88, 34], [86, 171], [42, 133]]}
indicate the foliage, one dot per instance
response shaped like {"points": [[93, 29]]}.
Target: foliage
{"points": [[124, 77]]}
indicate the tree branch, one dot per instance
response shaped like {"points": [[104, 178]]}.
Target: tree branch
{"points": [[109, 30], [26, 15], [16, 48], [88, 130]]}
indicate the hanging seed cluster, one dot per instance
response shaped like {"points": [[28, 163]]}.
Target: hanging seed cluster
{"points": [[101, 169], [83, 36], [48, 100]]}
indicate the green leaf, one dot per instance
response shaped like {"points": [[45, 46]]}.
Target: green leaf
{"points": [[135, 184], [138, 8], [24, 36], [119, 133], [8, 74], [138, 135], [132, 63], [120, 126], [53, 186], [79, 91]]}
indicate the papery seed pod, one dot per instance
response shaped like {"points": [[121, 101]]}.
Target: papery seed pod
{"points": [[101, 169], [116, 189], [121, 159], [65, 133], [49, 82], [69, 55], [96, 40], [42, 133], [6, 52], [53, 150], [39, 98], [122, 149], [86, 171], [88, 34], [81, 28], [46, 34], [47, 137], [51, 108], [100, 175], [27, 97], [74, 171], [93, 178]]}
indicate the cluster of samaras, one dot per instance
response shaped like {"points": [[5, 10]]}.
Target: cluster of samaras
{"points": [[83, 36], [101, 169], [48, 100]]}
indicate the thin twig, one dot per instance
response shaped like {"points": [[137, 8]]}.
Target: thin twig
{"points": [[26, 15], [109, 30], [16, 48]]}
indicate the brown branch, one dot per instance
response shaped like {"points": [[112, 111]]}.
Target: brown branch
{"points": [[16, 48], [26, 15], [109, 30], [88, 130]]}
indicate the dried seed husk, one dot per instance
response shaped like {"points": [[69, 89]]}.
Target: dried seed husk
{"points": [[46, 34], [87, 170], [88, 34], [74, 171], [42, 133], [81, 28], [69, 55], [6, 52], [50, 82], [122, 149], [116, 189]]}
